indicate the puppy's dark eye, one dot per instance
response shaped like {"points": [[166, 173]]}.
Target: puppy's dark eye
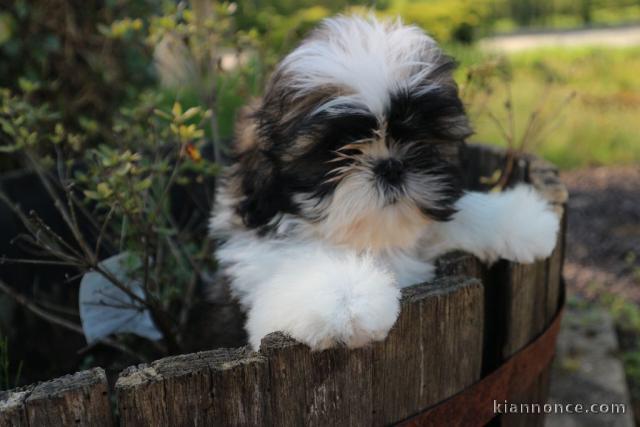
{"points": [[333, 131], [424, 116], [349, 128]]}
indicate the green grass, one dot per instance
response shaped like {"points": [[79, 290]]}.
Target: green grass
{"points": [[600, 126]]}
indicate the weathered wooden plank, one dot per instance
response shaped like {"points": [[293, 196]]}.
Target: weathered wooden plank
{"points": [[554, 270], [219, 387], [434, 351], [525, 286], [288, 362], [460, 264], [140, 396], [332, 387], [78, 399], [12, 407], [340, 390], [359, 380], [240, 390], [533, 291]]}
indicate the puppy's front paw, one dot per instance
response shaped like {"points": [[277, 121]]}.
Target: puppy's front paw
{"points": [[530, 226], [326, 300]]}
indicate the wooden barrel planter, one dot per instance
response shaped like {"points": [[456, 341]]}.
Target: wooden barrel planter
{"points": [[475, 336]]}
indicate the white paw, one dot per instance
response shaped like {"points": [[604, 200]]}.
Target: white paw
{"points": [[326, 299], [530, 226]]}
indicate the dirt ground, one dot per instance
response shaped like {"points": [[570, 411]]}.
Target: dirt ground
{"points": [[603, 242]]}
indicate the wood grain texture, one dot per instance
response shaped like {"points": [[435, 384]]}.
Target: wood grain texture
{"points": [[81, 399], [433, 351], [12, 407], [218, 387]]}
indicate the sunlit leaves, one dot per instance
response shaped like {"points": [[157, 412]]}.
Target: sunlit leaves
{"points": [[121, 28]]}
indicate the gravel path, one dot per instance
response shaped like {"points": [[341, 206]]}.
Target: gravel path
{"points": [[623, 36]]}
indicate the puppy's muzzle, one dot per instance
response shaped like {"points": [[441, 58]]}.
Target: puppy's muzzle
{"points": [[389, 171]]}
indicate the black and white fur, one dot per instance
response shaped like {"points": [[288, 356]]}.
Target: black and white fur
{"points": [[340, 195]]}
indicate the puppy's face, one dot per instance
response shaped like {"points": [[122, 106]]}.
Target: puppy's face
{"points": [[349, 136]]}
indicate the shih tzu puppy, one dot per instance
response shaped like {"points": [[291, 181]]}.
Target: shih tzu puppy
{"points": [[339, 195]]}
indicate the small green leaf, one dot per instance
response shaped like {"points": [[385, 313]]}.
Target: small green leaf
{"points": [[176, 110], [104, 190], [190, 113], [91, 195], [143, 185], [162, 114], [28, 86]]}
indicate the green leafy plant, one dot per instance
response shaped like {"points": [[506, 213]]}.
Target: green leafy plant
{"points": [[122, 192], [61, 47]]}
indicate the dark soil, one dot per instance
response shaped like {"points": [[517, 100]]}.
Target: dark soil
{"points": [[603, 242]]}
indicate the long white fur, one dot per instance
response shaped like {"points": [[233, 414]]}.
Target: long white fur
{"points": [[338, 297], [372, 58], [517, 225]]}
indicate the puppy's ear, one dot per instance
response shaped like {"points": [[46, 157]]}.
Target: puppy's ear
{"points": [[257, 176]]}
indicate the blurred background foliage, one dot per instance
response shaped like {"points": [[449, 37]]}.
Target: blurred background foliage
{"points": [[88, 59]]}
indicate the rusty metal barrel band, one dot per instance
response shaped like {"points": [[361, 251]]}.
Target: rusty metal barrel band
{"points": [[474, 406]]}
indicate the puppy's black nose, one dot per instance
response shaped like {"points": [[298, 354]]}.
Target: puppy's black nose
{"points": [[391, 171]]}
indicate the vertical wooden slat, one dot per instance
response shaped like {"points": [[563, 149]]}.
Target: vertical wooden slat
{"points": [[533, 290], [554, 269], [398, 369], [340, 387], [141, 398], [435, 351], [289, 364], [239, 385], [526, 310], [219, 387]]}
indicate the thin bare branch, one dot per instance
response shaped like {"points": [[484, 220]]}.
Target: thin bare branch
{"points": [[61, 208], [103, 230], [56, 320], [5, 260]]}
